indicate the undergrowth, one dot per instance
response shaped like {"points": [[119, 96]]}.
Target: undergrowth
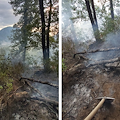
{"points": [[9, 72]]}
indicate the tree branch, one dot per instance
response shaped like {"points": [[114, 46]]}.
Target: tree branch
{"points": [[33, 80], [105, 62], [98, 50]]}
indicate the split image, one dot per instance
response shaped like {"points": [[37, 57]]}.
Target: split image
{"points": [[50, 46]]}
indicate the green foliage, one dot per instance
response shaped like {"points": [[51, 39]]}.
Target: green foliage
{"points": [[5, 82], [28, 32], [30, 60], [110, 26], [8, 71], [63, 65], [54, 62], [9, 86]]}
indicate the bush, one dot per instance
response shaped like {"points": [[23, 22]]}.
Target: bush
{"points": [[8, 71], [54, 62], [63, 65]]}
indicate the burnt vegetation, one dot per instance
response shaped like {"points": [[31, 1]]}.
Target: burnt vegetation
{"points": [[91, 65], [29, 77]]}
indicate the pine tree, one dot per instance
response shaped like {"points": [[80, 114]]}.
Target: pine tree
{"points": [[21, 35]]}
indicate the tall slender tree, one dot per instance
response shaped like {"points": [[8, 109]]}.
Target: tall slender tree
{"points": [[45, 47], [93, 18], [34, 26], [21, 34], [47, 18], [111, 9]]}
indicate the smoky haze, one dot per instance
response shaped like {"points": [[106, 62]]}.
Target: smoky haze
{"points": [[81, 32], [77, 30]]}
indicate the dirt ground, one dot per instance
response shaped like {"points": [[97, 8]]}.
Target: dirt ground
{"points": [[26, 103], [84, 84]]}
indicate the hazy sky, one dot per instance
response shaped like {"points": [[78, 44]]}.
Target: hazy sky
{"points": [[7, 18]]}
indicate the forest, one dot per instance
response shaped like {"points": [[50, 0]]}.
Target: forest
{"points": [[91, 59], [29, 62]]}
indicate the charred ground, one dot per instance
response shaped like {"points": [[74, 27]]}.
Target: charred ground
{"points": [[30, 100], [84, 80]]}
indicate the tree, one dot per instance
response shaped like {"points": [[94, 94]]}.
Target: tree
{"points": [[111, 9], [21, 35], [93, 19], [38, 20], [45, 31]]}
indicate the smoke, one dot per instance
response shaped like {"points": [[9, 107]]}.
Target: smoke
{"points": [[80, 32], [46, 90], [112, 40]]}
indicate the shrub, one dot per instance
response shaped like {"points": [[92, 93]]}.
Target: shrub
{"points": [[8, 71], [63, 65]]}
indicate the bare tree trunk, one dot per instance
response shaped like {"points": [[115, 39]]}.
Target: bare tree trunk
{"points": [[48, 29], [41, 7], [93, 19], [24, 31], [24, 52], [111, 9]]}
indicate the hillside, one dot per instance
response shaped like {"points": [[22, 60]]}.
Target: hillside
{"points": [[88, 76], [5, 33]]}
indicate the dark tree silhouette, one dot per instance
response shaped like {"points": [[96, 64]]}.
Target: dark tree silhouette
{"points": [[93, 18], [111, 9]]}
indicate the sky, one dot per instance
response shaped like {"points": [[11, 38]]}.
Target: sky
{"points": [[7, 18]]}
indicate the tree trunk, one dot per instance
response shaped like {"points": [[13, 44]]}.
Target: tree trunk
{"points": [[48, 29], [43, 31], [24, 51], [24, 31], [111, 9], [93, 19]]}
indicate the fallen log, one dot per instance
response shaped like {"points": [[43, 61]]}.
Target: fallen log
{"points": [[98, 50], [33, 80], [103, 62], [45, 100], [74, 69], [41, 96]]}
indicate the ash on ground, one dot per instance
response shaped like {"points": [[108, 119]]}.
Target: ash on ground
{"points": [[81, 89], [26, 102]]}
